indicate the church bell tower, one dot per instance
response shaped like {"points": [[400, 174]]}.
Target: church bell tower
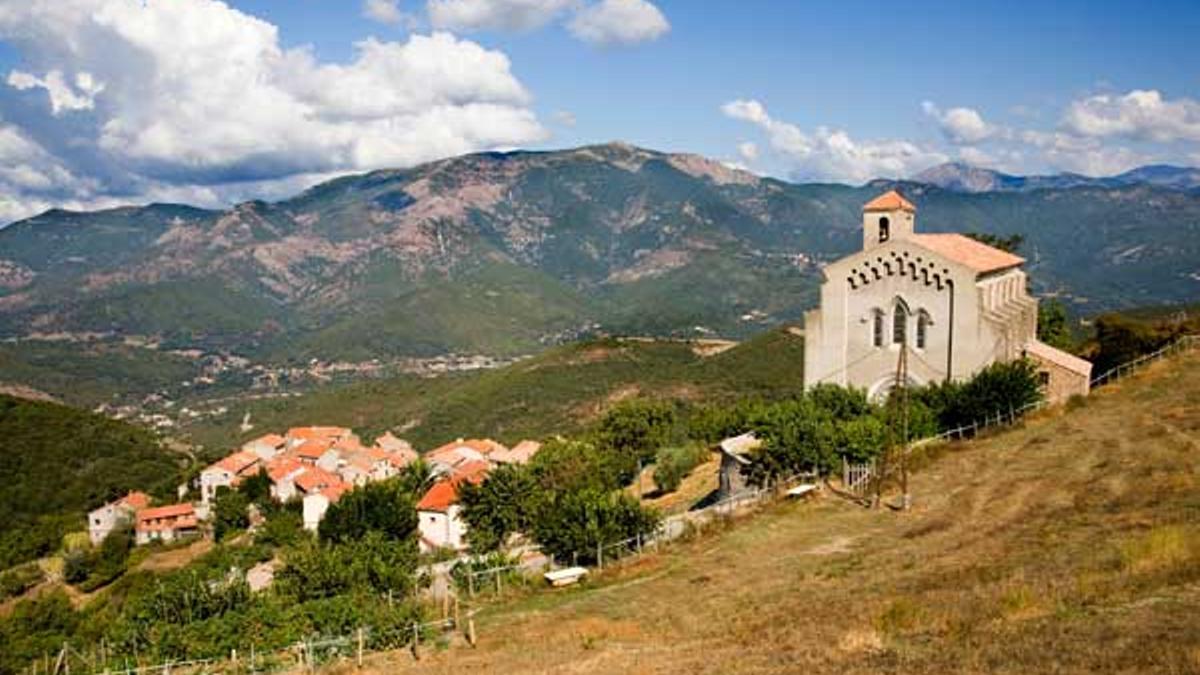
{"points": [[889, 216]]}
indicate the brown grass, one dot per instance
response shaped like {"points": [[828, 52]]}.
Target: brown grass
{"points": [[1066, 545]]}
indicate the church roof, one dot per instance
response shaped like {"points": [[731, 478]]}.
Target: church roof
{"points": [[967, 251], [890, 201]]}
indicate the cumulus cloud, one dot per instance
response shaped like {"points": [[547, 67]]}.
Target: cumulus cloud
{"points": [[611, 22], [224, 102], [1140, 114], [504, 15], [388, 12], [748, 151], [63, 96], [961, 126], [831, 154], [564, 118]]}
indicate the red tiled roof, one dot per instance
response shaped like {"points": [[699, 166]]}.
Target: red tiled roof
{"points": [[280, 467], [444, 493], [317, 433], [890, 201], [238, 462], [273, 440], [168, 511], [520, 453], [135, 500], [439, 497], [314, 479], [312, 449], [967, 251], [335, 492]]}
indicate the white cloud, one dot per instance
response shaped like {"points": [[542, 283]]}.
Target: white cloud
{"points": [[564, 118], [1081, 154], [504, 15], [961, 126], [223, 102], [831, 154], [1141, 114], [63, 96], [388, 12], [748, 151], [619, 22]]}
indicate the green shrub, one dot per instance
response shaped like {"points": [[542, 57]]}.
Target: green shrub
{"points": [[503, 504], [387, 507], [230, 513], [572, 524], [15, 581], [672, 465]]}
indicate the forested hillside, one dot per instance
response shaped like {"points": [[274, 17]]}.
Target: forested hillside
{"points": [[58, 462]]}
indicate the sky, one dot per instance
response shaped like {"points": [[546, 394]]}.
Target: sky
{"points": [[110, 102]]}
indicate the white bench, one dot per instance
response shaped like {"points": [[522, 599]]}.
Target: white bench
{"points": [[803, 490], [565, 576]]}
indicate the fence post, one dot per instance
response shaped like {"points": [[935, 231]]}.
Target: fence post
{"points": [[471, 630], [359, 656], [470, 582], [599, 556], [416, 641]]}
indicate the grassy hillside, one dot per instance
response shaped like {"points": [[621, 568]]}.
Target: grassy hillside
{"points": [[1067, 545], [555, 392], [57, 462]]}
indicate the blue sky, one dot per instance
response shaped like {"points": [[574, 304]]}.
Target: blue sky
{"points": [[113, 101]]}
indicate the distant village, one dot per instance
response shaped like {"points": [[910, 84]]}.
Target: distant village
{"points": [[317, 465]]}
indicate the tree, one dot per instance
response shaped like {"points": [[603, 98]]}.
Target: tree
{"points": [[638, 428], [503, 504], [574, 523], [387, 507], [564, 464], [230, 513], [1052, 325], [256, 488], [1008, 243], [674, 464]]}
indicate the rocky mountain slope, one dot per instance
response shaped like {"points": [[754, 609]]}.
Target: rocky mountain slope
{"points": [[501, 252], [963, 177]]}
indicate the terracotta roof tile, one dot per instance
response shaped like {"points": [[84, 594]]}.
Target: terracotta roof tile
{"points": [[312, 449], [135, 500], [444, 493], [281, 467], [169, 511], [314, 479], [238, 462], [890, 201], [967, 251]]}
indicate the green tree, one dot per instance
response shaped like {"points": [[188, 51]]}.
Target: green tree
{"points": [[230, 513], [1010, 243], [503, 504], [573, 523], [256, 488], [1052, 327], [674, 464], [387, 507], [638, 428]]}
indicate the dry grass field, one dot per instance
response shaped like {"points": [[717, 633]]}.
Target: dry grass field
{"points": [[1068, 545]]}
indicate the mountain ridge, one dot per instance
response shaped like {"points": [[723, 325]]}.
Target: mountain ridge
{"points": [[504, 252]]}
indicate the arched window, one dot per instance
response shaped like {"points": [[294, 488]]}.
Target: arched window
{"points": [[884, 229], [877, 328], [900, 324], [922, 329]]}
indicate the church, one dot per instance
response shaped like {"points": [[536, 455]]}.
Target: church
{"points": [[955, 304]]}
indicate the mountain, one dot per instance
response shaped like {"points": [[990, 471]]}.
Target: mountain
{"points": [[501, 253], [963, 177]]}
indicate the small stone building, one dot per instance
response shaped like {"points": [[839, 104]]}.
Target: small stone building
{"points": [[735, 452]]}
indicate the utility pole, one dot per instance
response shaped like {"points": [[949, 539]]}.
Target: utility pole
{"points": [[902, 397]]}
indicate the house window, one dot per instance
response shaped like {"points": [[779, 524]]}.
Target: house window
{"points": [[1044, 378], [900, 325], [922, 330], [884, 229], [877, 328]]}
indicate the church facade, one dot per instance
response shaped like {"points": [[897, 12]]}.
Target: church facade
{"points": [[953, 303]]}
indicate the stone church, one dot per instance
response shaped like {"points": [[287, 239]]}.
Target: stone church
{"points": [[958, 304]]}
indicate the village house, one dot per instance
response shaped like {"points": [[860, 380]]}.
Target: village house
{"points": [[317, 503], [520, 453], [266, 447], [439, 513], [227, 472], [166, 523], [114, 514], [954, 304]]}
